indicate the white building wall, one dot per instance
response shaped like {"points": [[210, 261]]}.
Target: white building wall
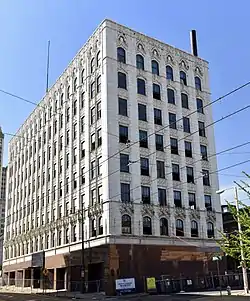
{"points": [[26, 233]]}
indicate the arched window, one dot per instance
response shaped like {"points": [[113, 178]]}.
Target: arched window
{"points": [[53, 240], [179, 228], [139, 62], [47, 242], [100, 225], [59, 238], [82, 75], [126, 224], [194, 229], [169, 73], [75, 84], [210, 230], [68, 92], [197, 81], [98, 59], [36, 245], [147, 226], [164, 226], [93, 227], [171, 96], [92, 65], [141, 86], [74, 234], [61, 99], [155, 67], [156, 91], [121, 55], [183, 78], [67, 235]]}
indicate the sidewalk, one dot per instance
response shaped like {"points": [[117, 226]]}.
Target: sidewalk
{"points": [[238, 293]]}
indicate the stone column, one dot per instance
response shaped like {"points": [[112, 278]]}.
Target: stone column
{"points": [[54, 280]]}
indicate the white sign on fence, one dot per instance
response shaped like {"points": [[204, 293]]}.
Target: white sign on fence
{"points": [[125, 284]]}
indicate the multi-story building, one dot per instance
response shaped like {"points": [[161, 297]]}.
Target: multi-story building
{"points": [[2, 209], [118, 153], [1, 152]]}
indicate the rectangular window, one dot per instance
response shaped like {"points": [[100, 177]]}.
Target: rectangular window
{"points": [[159, 145], [92, 170], [125, 192], [122, 106], [74, 131], [67, 114], [67, 160], [156, 91], [192, 200], [203, 152], [145, 194], [74, 156], [75, 107], [143, 137], [162, 197], [92, 115], [144, 166], [98, 84], [190, 174], [74, 180], [206, 180], [82, 99], [186, 125], [99, 166], [208, 202], [171, 97], [172, 120], [99, 111], [67, 138], [82, 124], [184, 100], [174, 146], [93, 197], [123, 134], [177, 199], [124, 163], [83, 149], [92, 142], [199, 104], [157, 117], [188, 149], [99, 137], [92, 90], [160, 169], [201, 126], [175, 172], [122, 80], [142, 112]]}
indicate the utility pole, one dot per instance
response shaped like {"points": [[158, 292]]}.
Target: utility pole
{"points": [[82, 254], [243, 261]]}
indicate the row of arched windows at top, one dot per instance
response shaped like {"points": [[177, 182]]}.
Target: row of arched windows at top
{"points": [[121, 57], [179, 227]]}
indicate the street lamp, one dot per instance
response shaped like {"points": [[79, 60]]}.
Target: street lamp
{"points": [[243, 261]]}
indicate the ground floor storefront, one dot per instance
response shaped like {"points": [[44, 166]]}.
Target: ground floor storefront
{"points": [[104, 264]]}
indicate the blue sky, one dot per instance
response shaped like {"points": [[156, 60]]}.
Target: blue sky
{"points": [[223, 40]]}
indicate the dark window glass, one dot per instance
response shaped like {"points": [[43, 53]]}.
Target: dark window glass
{"points": [[142, 112], [157, 117], [171, 96], [141, 86], [172, 120], [159, 142], [179, 228], [197, 83], [143, 137], [147, 226], [192, 200], [139, 62], [124, 163], [184, 100], [169, 73], [210, 230], [174, 146], [155, 67], [202, 131], [126, 224], [206, 180], [98, 84], [194, 229], [164, 226], [144, 167], [199, 104], [145, 194], [188, 149], [162, 197], [208, 202], [183, 78], [98, 59], [186, 124], [156, 91], [160, 169], [121, 55], [123, 134], [123, 106], [177, 199], [175, 172], [122, 80], [190, 174], [203, 152], [125, 192]]}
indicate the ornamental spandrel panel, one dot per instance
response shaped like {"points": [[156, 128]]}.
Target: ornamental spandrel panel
{"points": [[194, 214], [145, 180], [180, 212], [164, 211], [207, 189], [127, 208], [173, 133], [205, 164], [125, 177], [147, 209], [211, 216]]}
